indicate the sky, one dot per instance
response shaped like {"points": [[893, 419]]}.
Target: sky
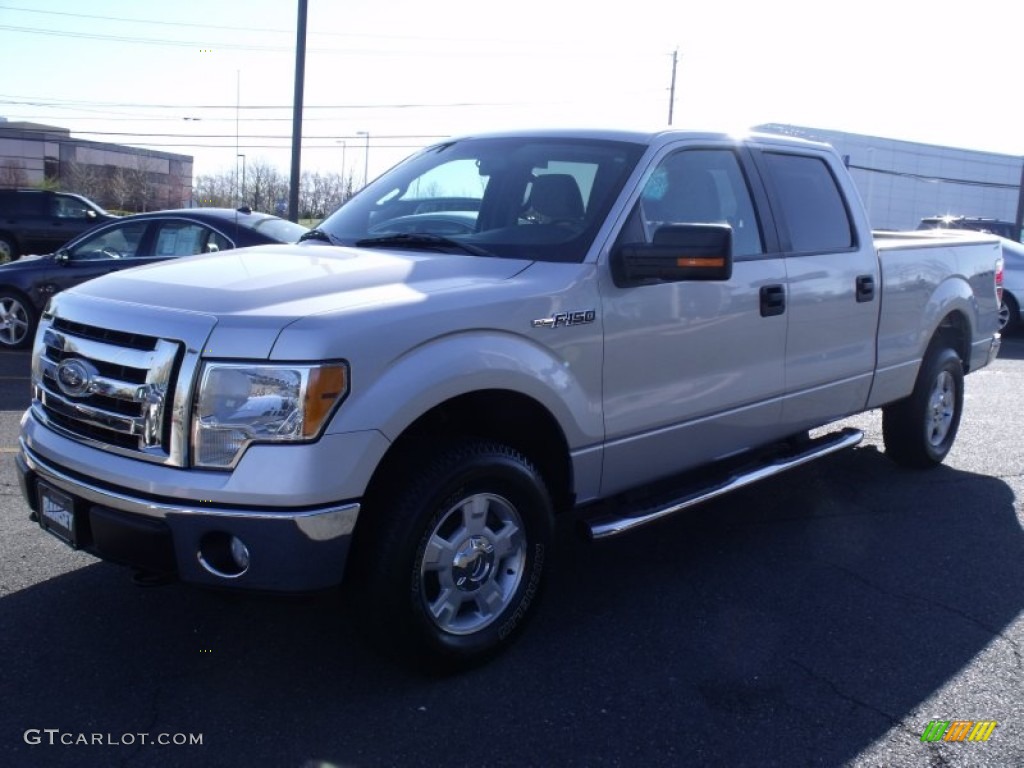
{"points": [[216, 78]]}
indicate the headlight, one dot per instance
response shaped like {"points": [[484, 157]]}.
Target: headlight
{"points": [[240, 403]]}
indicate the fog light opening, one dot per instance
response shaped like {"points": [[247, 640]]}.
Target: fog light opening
{"points": [[223, 555]]}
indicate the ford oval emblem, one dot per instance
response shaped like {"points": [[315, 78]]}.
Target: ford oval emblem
{"points": [[75, 377]]}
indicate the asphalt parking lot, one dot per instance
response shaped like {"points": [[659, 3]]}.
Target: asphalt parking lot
{"points": [[825, 617]]}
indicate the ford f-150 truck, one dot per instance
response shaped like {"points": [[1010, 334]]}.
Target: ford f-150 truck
{"points": [[502, 329]]}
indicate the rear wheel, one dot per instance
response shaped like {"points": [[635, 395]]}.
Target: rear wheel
{"points": [[451, 565], [1009, 314], [920, 430]]}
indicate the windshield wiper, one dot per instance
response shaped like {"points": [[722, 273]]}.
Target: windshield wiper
{"points": [[422, 240], [318, 234]]}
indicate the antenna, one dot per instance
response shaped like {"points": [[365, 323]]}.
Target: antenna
{"points": [[672, 87]]}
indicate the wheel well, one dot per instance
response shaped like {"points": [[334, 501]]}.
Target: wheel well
{"points": [[1014, 306], [501, 415], [955, 332]]}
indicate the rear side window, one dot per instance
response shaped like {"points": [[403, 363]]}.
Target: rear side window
{"points": [[14, 204], [811, 204]]}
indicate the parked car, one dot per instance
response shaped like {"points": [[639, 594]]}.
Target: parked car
{"points": [[27, 284], [1010, 319], [40, 221], [1005, 229], [1013, 286]]}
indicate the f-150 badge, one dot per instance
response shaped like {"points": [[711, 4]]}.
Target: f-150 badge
{"points": [[580, 317]]}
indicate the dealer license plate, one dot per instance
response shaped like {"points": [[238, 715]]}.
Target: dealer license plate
{"points": [[57, 513]]}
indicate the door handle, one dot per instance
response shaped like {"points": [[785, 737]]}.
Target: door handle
{"points": [[865, 288], [773, 300]]}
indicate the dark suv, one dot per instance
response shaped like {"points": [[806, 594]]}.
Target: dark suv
{"points": [[41, 221]]}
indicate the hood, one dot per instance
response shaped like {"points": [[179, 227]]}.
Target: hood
{"points": [[258, 291]]}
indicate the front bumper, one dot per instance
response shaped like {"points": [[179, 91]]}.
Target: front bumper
{"points": [[289, 550]]}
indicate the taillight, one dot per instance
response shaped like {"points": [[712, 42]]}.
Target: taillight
{"points": [[999, 280]]}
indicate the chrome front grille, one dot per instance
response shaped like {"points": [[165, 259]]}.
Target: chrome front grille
{"points": [[110, 388]]}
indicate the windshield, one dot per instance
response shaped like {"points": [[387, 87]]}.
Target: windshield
{"points": [[525, 198]]}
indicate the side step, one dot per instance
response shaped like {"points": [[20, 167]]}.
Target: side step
{"points": [[606, 525]]}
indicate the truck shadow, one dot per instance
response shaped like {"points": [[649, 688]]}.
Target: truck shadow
{"points": [[795, 622], [1013, 346]]}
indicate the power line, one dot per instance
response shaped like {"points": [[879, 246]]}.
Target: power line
{"points": [[276, 31], [149, 41], [145, 21], [12, 100]]}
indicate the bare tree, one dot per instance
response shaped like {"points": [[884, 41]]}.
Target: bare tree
{"points": [[119, 188], [321, 194], [85, 179], [13, 174], [264, 185], [141, 189], [214, 190]]}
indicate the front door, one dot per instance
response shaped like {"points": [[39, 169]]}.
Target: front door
{"points": [[693, 371]]}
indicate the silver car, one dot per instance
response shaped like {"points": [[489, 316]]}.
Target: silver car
{"points": [[1013, 286]]}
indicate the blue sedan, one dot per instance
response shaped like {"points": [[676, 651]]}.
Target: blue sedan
{"points": [[27, 284]]}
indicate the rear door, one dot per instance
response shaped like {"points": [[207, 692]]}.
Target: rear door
{"points": [[24, 213], [834, 285]]}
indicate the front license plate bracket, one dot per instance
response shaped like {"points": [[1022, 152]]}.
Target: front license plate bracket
{"points": [[57, 514]]}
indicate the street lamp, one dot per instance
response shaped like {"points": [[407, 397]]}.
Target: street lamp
{"points": [[243, 177], [366, 161], [344, 148]]}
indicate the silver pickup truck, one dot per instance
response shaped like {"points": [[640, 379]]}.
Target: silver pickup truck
{"points": [[500, 330]]}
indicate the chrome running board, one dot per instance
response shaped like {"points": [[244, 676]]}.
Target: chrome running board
{"points": [[607, 525]]}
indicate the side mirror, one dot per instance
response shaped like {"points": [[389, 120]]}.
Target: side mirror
{"points": [[90, 214], [677, 252], [62, 256]]}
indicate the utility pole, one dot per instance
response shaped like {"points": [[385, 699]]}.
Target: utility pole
{"points": [[672, 88], [300, 77]]}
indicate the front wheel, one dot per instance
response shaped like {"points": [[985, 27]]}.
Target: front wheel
{"points": [[453, 562], [17, 320], [919, 431]]}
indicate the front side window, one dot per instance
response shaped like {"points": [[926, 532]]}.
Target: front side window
{"points": [[531, 198], [702, 186], [118, 242], [811, 204], [66, 207]]}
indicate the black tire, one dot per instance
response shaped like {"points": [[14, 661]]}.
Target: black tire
{"points": [[17, 320], [452, 561], [919, 431], [1009, 314], [8, 249]]}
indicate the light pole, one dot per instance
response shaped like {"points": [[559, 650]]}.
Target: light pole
{"points": [[345, 186], [366, 160], [344, 148], [243, 178]]}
